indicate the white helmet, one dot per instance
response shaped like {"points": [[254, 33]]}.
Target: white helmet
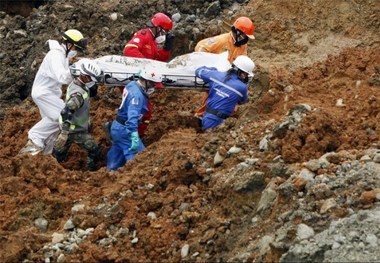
{"points": [[245, 64], [90, 68], [151, 73]]}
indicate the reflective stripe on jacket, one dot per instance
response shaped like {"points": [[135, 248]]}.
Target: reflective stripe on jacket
{"points": [[80, 118]]}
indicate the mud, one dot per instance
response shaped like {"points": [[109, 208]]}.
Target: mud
{"points": [[324, 54]]}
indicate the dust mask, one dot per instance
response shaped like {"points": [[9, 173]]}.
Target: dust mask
{"points": [[71, 54], [150, 91], [160, 39], [90, 84]]}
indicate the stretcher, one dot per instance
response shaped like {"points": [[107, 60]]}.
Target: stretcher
{"points": [[179, 73]]}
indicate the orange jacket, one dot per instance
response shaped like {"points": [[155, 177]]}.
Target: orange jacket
{"points": [[219, 44]]}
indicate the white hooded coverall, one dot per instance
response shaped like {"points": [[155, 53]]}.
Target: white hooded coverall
{"points": [[47, 90]]}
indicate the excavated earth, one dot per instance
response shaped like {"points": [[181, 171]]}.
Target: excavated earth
{"points": [[294, 177]]}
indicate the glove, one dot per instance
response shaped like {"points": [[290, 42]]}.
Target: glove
{"points": [[94, 91], [61, 140], [134, 141], [169, 42]]}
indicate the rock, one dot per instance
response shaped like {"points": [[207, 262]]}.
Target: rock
{"points": [[264, 244], [185, 250], [263, 144], [218, 159], [113, 16], [57, 238], [69, 225], [266, 200], [254, 181], [366, 158], [278, 168], [234, 150], [376, 158], [304, 232], [368, 197], [213, 9], [339, 103], [313, 165], [41, 223], [61, 258], [152, 216], [21, 33], [195, 255], [81, 233], [321, 191], [190, 18], [327, 205], [77, 208], [176, 17], [304, 177], [371, 240]]}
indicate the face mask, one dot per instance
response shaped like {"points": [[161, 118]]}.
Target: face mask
{"points": [[90, 84], [160, 39], [150, 90], [72, 53], [239, 37], [241, 42]]}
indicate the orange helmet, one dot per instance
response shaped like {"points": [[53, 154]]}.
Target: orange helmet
{"points": [[162, 20], [245, 25]]}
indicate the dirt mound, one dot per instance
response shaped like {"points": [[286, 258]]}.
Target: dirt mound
{"points": [[237, 193]]}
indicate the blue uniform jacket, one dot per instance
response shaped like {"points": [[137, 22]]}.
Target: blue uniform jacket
{"points": [[224, 94], [133, 106], [131, 110]]}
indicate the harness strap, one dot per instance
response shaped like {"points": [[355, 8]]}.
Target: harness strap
{"points": [[217, 113]]}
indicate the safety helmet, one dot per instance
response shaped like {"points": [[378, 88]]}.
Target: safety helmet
{"points": [[245, 64], [162, 20], [76, 38], [245, 25], [151, 73], [90, 68]]}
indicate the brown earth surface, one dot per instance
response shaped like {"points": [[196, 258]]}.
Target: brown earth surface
{"points": [[306, 53]]}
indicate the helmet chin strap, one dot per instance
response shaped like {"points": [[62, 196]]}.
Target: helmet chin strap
{"points": [[67, 48], [81, 81], [154, 31], [244, 78]]}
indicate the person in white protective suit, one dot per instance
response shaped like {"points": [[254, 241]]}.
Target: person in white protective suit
{"points": [[47, 90]]}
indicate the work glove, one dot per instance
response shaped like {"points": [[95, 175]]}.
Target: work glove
{"points": [[94, 92], [134, 141], [61, 140], [169, 42]]}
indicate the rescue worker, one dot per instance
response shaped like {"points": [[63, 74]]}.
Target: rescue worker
{"points": [[126, 142], [46, 90], [75, 116], [146, 44], [226, 90], [235, 42]]}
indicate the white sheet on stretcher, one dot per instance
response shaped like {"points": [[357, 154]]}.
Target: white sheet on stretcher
{"points": [[180, 70]]}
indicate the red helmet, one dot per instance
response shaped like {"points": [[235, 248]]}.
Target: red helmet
{"points": [[162, 20], [245, 25]]}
